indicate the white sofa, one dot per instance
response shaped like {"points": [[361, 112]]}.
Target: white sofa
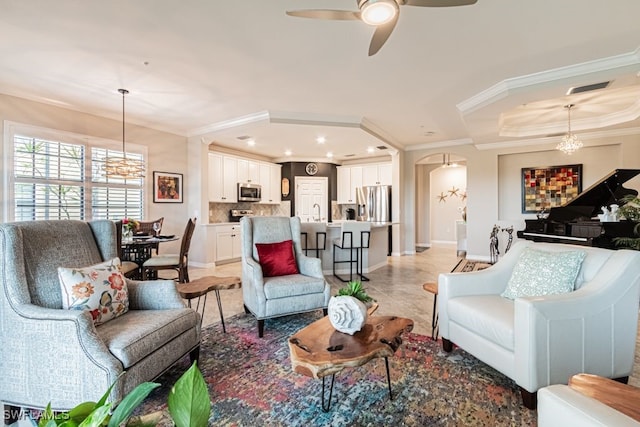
{"points": [[539, 341], [561, 406]]}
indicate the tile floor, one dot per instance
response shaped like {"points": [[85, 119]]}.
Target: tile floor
{"points": [[397, 288]]}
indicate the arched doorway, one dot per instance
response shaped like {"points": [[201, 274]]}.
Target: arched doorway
{"points": [[441, 185]]}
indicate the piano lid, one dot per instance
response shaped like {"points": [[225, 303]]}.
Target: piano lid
{"points": [[607, 191]]}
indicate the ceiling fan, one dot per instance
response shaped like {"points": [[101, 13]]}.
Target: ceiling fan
{"points": [[383, 14]]}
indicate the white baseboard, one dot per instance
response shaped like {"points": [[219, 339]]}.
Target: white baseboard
{"points": [[202, 265], [444, 242]]}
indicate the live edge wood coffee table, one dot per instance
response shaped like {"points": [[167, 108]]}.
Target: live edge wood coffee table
{"points": [[318, 350], [204, 285]]}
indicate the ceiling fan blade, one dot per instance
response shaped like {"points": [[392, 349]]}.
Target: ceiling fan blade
{"points": [[336, 15], [439, 3], [381, 35]]}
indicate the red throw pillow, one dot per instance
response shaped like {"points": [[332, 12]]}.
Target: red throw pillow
{"points": [[277, 259]]}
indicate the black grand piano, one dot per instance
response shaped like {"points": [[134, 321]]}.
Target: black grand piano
{"points": [[576, 222]]}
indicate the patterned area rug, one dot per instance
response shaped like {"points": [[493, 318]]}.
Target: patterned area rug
{"points": [[466, 265], [251, 384]]}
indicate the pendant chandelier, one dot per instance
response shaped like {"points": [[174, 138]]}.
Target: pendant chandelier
{"points": [[446, 161], [570, 142], [123, 167]]}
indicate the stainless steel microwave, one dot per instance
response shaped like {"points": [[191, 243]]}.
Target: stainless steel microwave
{"points": [[248, 192]]}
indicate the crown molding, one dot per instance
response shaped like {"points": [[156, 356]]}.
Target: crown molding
{"points": [[501, 90], [295, 118], [230, 124], [554, 140], [440, 144], [293, 159]]}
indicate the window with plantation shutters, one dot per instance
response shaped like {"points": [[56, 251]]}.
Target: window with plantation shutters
{"points": [[54, 178]]}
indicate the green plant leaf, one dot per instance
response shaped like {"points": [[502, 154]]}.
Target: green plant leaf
{"points": [[131, 402], [189, 403], [105, 396], [48, 419], [45, 416], [97, 417], [355, 289], [70, 423], [81, 411]]}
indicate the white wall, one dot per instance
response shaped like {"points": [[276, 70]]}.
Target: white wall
{"points": [[423, 203], [444, 213], [166, 152], [482, 196], [493, 182], [492, 175], [596, 163]]}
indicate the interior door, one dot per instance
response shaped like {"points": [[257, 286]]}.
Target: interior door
{"points": [[312, 198]]}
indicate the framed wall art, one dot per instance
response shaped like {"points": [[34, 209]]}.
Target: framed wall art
{"points": [[167, 187], [548, 187]]}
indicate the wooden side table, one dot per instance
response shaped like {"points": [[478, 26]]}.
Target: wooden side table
{"points": [[202, 286], [318, 350], [432, 287], [621, 397]]}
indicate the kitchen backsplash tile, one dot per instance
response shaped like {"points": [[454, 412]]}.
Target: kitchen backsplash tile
{"points": [[219, 212], [339, 212]]}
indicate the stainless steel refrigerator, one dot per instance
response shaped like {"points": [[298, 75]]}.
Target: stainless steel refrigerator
{"points": [[374, 203]]}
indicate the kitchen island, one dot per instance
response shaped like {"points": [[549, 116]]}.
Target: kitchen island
{"points": [[372, 258]]}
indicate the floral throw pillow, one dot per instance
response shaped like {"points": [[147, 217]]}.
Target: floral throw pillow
{"points": [[101, 289]]}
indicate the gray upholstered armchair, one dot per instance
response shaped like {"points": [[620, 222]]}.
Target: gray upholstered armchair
{"points": [[267, 297], [49, 354]]}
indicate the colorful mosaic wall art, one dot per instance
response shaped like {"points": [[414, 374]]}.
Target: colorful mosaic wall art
{"points": [[549, 186]]}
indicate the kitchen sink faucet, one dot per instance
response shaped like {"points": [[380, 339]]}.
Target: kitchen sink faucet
{"points": [[315, 205]]}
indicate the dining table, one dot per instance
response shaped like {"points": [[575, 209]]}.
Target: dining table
{"points": [[138, 249]]}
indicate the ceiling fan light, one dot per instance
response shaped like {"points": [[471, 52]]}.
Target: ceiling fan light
{"points": [[378, 12]]}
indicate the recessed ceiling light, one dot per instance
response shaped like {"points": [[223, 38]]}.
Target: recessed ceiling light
{"points": [[287, 153], [251, 142], [370, 149], [321, 140], [329, 154]]}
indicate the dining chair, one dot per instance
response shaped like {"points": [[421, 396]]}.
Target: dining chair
{"points": [[129, 268], [177, 262], [146, 227]]}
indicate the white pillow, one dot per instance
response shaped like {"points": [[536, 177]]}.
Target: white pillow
{"points": [[101, 289], [538, 273]]}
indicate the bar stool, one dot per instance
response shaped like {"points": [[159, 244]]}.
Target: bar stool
{"points": [[355, 237], [314, 237], [432, 288]]}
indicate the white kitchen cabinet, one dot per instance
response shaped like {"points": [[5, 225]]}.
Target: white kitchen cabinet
{"points": [[228, 243], [270, 175], [226, 171], [223, 178], [385, 174], [349, 178], [248, 171], [377, 174]]}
